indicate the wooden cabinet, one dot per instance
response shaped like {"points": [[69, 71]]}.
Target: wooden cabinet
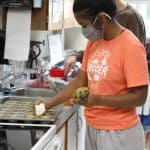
{"points": [[39, 17], [54, 15]]}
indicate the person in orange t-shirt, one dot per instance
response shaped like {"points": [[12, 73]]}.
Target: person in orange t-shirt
{"points": [[114, 69], [128, 17]]}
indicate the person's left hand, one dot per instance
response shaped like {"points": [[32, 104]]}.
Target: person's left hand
{"points": [[69, 63], [89, 102]]}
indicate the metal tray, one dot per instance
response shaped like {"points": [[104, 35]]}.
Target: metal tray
{"points": [[20, 109]]}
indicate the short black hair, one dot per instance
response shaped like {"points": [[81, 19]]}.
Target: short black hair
{"points": [[94, 7]]}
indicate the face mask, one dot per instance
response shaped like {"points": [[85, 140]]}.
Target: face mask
{"points": [[91, 33]]}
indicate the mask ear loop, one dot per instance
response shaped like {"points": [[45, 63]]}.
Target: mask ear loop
{"points": [[102, 13], [95, 20], [105, 14]]}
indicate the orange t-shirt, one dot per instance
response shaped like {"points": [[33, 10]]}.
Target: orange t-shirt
{"points": [[113, 67]]}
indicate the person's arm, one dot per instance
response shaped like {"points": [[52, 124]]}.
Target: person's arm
{"points": [[138, 29], [135, 97], [79, 56], [136, 76], [70, 62], [67, 92], [136, 24]]}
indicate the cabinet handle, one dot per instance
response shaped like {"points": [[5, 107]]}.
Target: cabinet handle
{"points": [[80, 123]]}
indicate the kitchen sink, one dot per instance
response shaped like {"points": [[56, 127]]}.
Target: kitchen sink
{"points": [[35, 92], [19, 98]]}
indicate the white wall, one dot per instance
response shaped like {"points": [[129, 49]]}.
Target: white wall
{"points": [[40, 36], [1, 14], [74, 39]]}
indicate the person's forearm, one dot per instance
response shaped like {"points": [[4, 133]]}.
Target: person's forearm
{"points": [[79, 56], [124, 100], [66, 93]]}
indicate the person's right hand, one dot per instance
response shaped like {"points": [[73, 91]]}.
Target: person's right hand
{"points": [[39, 101], [40, 107], [69, 63]]}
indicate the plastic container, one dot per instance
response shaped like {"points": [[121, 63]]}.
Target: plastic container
{"points": [[57, 72]]}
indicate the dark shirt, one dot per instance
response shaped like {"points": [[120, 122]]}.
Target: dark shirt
{"points": [[132, 20]]}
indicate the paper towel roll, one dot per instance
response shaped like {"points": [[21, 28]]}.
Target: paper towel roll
{"points": [[18, 28]]}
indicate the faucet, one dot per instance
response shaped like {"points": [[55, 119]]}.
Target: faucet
{"points": [[11, 78]]}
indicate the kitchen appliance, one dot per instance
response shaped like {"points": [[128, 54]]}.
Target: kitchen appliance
{"points": [[17, 120], [21, 3]]}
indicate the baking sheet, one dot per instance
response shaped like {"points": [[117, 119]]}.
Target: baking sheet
{"points": [[22, 111]]}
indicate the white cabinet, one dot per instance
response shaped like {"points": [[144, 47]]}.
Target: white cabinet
{"points": [[72, 132], [76, 131], [71, 136], [81, 129], [60, 14], [55, 144], [55, 20], [68, 20], [58, 141]]}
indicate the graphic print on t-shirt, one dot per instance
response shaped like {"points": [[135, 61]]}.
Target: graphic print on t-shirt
{"points": [[97, 66]]}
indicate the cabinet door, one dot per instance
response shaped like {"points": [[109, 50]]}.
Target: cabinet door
{"points": [[55, 144], [68, 20], [81, 128], [72, 132], [55, 16], [58, 141], [39, 17]]}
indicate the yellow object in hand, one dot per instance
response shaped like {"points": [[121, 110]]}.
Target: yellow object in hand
{"points": [[81, 94]]}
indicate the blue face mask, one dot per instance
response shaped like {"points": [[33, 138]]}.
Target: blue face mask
{"points": [[91, 33]]}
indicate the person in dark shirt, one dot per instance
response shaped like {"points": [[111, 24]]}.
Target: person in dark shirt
{"points": [[128, 17]]}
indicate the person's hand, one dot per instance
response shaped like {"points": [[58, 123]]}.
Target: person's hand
{"points": [[83, 103], [40, 107], [39, 101], [69, 63], [89, 102]]}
